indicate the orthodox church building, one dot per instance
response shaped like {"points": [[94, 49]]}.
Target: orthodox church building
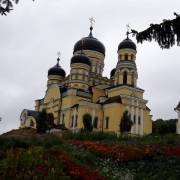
{"points": [[86, 91]]}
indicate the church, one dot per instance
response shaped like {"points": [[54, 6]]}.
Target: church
{"points": [[69, 98]]}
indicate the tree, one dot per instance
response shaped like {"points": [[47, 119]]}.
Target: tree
{"points": [[126, 123], [45, 121], [164, 127], [166, 33], [7, 5], [87, 121]]}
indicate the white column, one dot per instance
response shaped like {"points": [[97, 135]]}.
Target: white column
{"points": [[74, 118], [132, 119], [178, 123], [137, 115], [141, 122]]}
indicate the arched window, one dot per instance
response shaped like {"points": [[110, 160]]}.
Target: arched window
{"points": [[107, 123], [31, 123], [95, 123], [126, 57], [125, 77], [76, 121], [132, 56]]}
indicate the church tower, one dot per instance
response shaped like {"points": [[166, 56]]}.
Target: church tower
{"points": [[126, 71], [95, 51], [80, 69], [56, 74]]}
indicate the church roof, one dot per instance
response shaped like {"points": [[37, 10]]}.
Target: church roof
{"points": [[57, 70], [127, 43], [80, 58], [177, 107], [115, 99], [113, 72], [32, 113], [89, 43]]}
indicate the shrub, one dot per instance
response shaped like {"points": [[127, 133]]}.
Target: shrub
{"points": [[126, 123]]}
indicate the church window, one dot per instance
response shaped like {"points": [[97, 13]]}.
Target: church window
{"points": [[95, 123], [107, 123], [76, 76], [125, 77], [126, 57], [31, 123], [134, 119], [72, 121], [75, 125], [139, 120], [132, 56]]}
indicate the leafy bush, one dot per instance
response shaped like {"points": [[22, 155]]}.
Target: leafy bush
{"points": [[126, 123]]}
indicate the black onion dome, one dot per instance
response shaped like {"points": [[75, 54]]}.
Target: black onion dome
{"points": [[89, 43], [57, 70], [127, 43], [80, 58], [113, 72]]}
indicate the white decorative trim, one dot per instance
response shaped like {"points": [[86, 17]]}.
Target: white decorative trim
{"points": [[141, 122], [126, 87]]}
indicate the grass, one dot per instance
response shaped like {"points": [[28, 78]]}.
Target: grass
{"points": [[21, 158]]}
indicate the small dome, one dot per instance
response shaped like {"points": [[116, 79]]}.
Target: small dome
{"points": [[113, 72], [57, 70], [80, 58], [127, 43], [89, 43]]}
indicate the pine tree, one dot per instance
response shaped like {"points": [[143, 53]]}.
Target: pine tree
{"points": [[166, 34], [7, 5], [42, 122], [126, 123]]}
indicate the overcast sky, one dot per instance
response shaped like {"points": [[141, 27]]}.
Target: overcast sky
{"points": [[32, 34]]}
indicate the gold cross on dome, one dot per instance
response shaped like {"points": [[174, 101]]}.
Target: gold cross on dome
{"points": [[59, 54], [128, 27], [92, 21], [128, 30]]}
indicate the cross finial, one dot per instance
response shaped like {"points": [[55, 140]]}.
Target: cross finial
{"points": [[58, 59], [92, 21], [128, 29]]}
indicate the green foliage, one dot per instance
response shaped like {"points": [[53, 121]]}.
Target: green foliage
{"points": [[126, 123], [164, 127], [44, 122], [7, 5], [87, 122], [93, 136], [166, 34]]}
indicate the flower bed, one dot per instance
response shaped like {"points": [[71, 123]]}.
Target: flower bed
{"points": [[75, 171], [123, 154]]}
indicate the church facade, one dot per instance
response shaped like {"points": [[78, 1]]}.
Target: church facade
{"points": [[86, 91]]}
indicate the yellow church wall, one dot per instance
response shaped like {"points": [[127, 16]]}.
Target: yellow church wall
{"points": [[126, 92], [67, 118], [147, 123], [52, 93], [97, 93], [114, 111], [129, 79]]}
